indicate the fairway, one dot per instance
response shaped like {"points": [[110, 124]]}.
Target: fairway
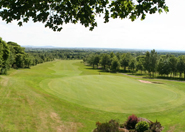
{"points": [[115, 93], [67, 96]]}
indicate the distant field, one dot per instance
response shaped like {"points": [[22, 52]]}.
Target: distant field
{"points": [[65, 95]]}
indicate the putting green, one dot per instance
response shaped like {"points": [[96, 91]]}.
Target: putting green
{"points": [[115, 93]]}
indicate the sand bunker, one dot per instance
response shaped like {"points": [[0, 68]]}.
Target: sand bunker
{"points": [[144, 81]]}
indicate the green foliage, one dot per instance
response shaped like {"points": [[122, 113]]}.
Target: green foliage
{"points": [[115, 65], [173, 64], [19, 60], [56, 13], [111, 126], [153, 61], [17, 55], [105, 60], [140, 64], [112, 55], [4, 55], [142, 126], [96, 60], [125, 60], [13, 55], [150, 61], [147, 62], [164, 66], [91, 59], [132, 64], [181, 65]]}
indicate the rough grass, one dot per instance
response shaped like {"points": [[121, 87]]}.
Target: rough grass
{"points": [[68, 96]]}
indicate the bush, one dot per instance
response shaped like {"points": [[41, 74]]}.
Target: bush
{"points": [[155, 127], [111, 126], [142, 126], [131, 122]]}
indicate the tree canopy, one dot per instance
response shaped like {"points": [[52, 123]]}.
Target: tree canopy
{"points": [[54, 13]]}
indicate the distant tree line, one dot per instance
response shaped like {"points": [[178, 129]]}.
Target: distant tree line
{"points": [[150, 63], [12, 55], [57, 53]]}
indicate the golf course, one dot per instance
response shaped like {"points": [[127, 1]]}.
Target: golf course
{"points": [[68, 96]]}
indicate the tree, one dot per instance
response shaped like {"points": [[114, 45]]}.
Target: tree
{"points": [[181, 65], [125, 59], [96, 60], [20, 60], [139, 66], [147, 62], [118, 55], [54, 13], [4, 55], [16, 56], [153, 61], [112, 54], [164, 66], [140, 63], [115, 64], [105, 60], [90, 60], [132, 64], [173, 65], [27, 60]]}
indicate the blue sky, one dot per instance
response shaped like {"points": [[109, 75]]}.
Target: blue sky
{"points": [[164, 31]]}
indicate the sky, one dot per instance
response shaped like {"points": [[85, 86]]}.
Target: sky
{"points": [[164, 31]]}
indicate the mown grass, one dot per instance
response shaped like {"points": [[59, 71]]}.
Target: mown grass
{"points": [[69, 96]]}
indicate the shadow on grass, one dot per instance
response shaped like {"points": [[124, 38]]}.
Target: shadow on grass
{"points": [[134, 73], [166, 78], [171, 78], [22, 68], [100, 70], [157, 83]]}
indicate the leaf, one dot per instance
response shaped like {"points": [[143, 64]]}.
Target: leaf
{"points": [[160, 11], [20, 24], [166, 9]]}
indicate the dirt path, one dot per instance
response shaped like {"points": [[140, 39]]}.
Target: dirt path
{"points": [[131, 75]]}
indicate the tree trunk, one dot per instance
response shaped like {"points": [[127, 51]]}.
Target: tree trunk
{"points": [[149, 73]]}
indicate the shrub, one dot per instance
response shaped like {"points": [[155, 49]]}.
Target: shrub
{"points": [[155, 127], [121, 126], [111, 126], [131, 122], [142, 126]]}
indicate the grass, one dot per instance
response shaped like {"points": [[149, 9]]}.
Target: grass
{"points": [[69, 96]]}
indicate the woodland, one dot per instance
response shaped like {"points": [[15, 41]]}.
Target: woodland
{"points": [[164, 63]]}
